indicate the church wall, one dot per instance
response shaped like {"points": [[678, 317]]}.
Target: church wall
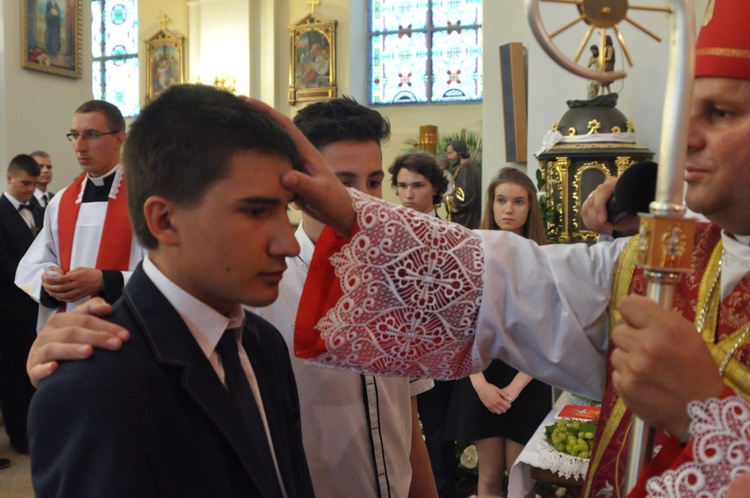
{"points": [[504, 22], [250, 39], [352, 56], [149, 22], [35, 107]]}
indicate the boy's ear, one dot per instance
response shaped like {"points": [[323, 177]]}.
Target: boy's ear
{"points": [[158, 213]]}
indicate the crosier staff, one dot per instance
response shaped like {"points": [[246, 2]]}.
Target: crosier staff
{"points": [[666, 237]]}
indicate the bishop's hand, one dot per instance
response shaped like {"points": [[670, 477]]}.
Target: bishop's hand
{"points": [[320, 193]]}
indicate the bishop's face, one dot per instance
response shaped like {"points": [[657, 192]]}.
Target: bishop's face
{"points": [[718, 163]]}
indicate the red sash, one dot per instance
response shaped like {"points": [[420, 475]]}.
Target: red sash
{"points": [[117, 236]]}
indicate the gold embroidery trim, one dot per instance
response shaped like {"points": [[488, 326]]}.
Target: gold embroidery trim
{"points": [[724, 52], [620, 288], [737, 375]]}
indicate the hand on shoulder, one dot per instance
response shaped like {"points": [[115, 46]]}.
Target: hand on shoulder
{"points": [[73, 336]]}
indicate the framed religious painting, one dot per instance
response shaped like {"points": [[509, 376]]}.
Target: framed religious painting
{"points": [[51, 36], [312, 68], [165, 66]]}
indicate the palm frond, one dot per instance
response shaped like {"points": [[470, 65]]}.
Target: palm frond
{"points": [[473, 142]]}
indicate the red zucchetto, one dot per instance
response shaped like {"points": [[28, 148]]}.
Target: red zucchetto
{"points": [[723, 47]]}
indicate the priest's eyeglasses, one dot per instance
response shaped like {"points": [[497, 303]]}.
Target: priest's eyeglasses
{"points": [[88, 135]]}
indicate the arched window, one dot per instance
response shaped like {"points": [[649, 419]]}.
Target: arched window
{"points": [[114, 43], [425, 51]]}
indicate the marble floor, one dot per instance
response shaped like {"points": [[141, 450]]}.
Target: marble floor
{"points": [[15, 481]]}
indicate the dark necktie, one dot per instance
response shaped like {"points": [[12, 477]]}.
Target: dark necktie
{"points": [[43, 201], [21, 207], [240, 392]]}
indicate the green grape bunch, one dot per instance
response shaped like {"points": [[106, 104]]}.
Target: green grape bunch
{"points": [[572, 437]]}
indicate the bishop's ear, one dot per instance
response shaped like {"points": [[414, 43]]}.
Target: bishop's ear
{"points": [[158, 213]]}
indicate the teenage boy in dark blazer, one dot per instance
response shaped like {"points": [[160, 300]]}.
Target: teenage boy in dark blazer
{"points": [[155, 419], [19, 223]]}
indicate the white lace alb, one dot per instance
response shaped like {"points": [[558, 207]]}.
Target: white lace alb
{"points": [[412, 289], [720, 430]]}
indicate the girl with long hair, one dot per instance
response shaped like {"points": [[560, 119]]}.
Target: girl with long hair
{"points": [[499, 409]]}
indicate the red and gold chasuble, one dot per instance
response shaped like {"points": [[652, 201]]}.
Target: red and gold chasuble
{"points": [[697, 298], [116, 238]]}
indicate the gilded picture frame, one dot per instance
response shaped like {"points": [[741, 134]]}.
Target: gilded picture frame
{"points": [[165, 63], [312, 67], [51, 36]]}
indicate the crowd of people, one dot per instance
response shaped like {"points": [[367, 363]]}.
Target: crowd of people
{"points": [[225, 354]]}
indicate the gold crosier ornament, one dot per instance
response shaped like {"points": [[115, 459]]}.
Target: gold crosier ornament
{"points": [[666, 237]]}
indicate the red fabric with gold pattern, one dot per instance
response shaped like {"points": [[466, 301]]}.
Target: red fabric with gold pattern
{"points": [[723, 47], [609, 474]]}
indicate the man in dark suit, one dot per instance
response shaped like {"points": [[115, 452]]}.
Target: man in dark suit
{"points": [[19, 223], [42, 195], [201, 401]]}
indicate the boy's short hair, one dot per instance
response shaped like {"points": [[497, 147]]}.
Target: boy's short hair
{"points": [[183, 142], [425, 164], [341, 119], [111, 112], [24, 163]]}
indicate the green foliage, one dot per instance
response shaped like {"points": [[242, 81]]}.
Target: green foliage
{"points": [[473, 142]]}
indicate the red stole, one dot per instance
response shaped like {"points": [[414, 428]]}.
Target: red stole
{"points": [[607, 466], [117, 236], [321, 276]]}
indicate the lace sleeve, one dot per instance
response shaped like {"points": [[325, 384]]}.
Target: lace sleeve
{"points": [[720, 444], [412, 287]]}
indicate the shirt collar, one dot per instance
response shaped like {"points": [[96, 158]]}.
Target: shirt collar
{"points": [[306, 245], [736, 262], [99, 180], [743, 239], [13, 200], [205, 323]]}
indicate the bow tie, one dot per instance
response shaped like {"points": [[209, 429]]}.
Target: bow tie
{"points": [[24, 206]]}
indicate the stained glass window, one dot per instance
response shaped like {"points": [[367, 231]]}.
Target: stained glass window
{"points": [[425, 51], [114, 44]]}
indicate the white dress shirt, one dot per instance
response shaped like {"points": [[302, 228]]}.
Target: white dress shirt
{"points": [[207, 326], [356, 429], [26, 214]]}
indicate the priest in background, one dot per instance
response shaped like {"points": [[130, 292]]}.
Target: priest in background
{"points": [[86, 247]]}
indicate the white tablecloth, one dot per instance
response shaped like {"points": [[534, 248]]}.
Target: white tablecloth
{"points": [[520, 482]]}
